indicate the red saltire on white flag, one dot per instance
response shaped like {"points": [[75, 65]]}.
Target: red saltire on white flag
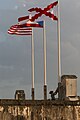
{"points": [[40, 12], [44, 11], [18, 30]]}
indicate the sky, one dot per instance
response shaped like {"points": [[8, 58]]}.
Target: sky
{"points": [[15, 51]]}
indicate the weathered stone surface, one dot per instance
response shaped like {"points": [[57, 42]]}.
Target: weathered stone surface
{"points": [[39, 110]]}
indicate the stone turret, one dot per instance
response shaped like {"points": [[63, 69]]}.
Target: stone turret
{"points": [[68, 86], [19, 95]]}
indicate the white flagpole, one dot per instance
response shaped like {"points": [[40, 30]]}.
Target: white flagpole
{"points": [[59, 53], [32, 56], [59, 45], [44, 47]]}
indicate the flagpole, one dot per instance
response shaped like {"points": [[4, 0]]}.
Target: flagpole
{"points": [[44, 47], [32, 64], [32, 54], [59, 51]]}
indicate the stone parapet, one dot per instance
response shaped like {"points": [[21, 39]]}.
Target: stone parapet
{"points": [[11, 109]]}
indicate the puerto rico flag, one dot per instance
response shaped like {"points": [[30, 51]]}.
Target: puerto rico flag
{"points": [[32, 24]]}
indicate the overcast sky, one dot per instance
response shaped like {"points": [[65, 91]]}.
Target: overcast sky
{"points": [[15, 51]]}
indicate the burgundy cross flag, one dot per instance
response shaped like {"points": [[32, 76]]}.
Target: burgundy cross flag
{"points": [[18, 30], [40, 12], [44, 11]]}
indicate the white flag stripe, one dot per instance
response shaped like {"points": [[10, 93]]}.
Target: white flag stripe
{"points": [[19, 33], [13, 31], [17, 30], [25, 30], [10, 32]]}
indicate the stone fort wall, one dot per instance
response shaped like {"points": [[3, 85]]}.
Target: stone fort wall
{"points": [[39, 110]]}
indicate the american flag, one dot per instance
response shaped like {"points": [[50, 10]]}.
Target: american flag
{"points": [[38, 24], [18, 30]]}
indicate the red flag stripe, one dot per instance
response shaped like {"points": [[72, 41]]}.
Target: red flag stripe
{"points": [[19, 30], [24, 30], [14, 27], [19, 33]]}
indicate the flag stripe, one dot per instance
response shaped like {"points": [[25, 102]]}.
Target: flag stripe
{"points": [[17, 30], [23, 33], [19, 33], [14, 27], [20, 30]]}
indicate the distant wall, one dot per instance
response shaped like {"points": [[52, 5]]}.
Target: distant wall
{"points": [[39, 110]]}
